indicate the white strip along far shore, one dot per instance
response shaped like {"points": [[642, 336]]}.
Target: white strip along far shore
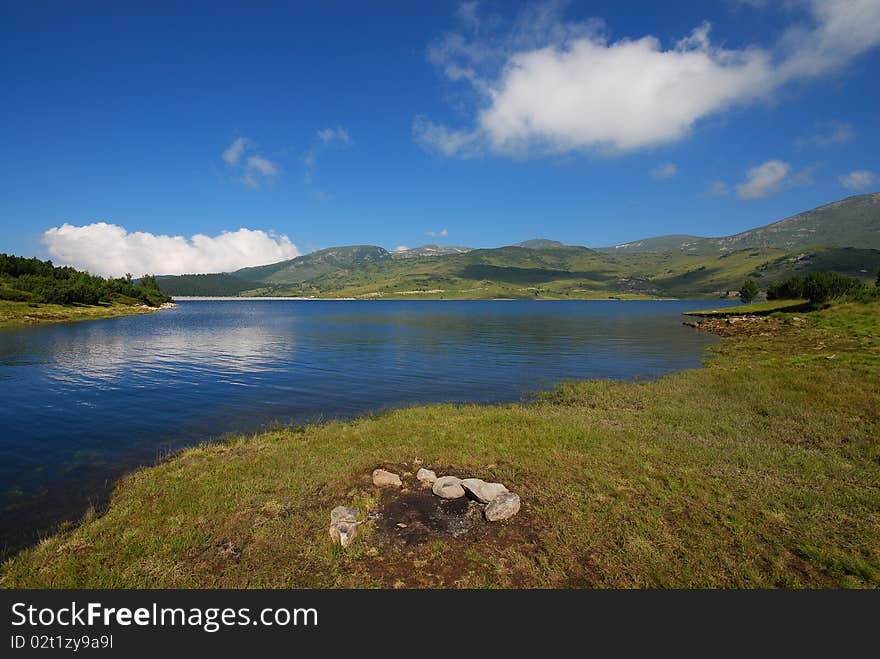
{"points": [[200, 298]]}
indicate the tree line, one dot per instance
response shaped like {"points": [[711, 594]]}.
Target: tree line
{"points": [[817, 287], [33, 280]]}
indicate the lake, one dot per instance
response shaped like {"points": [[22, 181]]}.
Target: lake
{"points": [[85, 402]]}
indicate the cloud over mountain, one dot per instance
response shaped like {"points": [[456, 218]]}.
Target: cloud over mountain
{"points": [[860, 179], [763, 180]]}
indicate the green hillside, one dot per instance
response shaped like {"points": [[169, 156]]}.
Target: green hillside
{"points": [[540, 243], [316, 264], [428, 250], [850, 222], [214, 285], [514, 272], [673, 243], [847, 235]]}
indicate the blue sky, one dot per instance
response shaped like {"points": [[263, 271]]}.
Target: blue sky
{"points": [[382, 123]]}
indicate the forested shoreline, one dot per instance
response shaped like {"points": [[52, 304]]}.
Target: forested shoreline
{"points": [[36, 281]]}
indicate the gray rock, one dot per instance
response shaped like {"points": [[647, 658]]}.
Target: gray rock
{"points": [[504, 506], [426, 476], [483, 492], [382, 478], [343, 533], [448, 487], [343, 514]]}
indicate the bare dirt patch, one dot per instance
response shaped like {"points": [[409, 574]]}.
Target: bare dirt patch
{"points": [[416, 539], [743, 326], [413, 518]]}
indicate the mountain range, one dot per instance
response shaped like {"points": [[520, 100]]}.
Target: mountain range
{"points": [[843, 236], [850, 222]]}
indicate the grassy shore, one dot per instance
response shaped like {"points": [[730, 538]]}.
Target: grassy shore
{"points": [[18, 314], [760, 470], [756, 309]]}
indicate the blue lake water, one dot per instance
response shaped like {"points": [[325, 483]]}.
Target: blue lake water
{"points": [[84, 402]]}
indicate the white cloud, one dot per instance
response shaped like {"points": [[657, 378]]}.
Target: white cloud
{"points": [[445, 141], [255, 170], [616, 97], [550, 86], [434, 234], [109, 250], [763, 180], [468, 13], [664, 171], [261, 165], [338, 134], [860, 179], [259, 171], [234, 151], [833, 133], [328, 137], [804, 176], [717, 189], [401, 248], [840, 30]]}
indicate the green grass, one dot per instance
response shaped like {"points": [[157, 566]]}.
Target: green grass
{"points": [[576, 273], [760, 470], [754, 309], [514, 273], [18, 314]]}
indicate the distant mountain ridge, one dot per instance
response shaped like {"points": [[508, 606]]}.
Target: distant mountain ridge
{"points": [[427, 251], [850, 222], [541, 243], [843, 236], [315, 264]]}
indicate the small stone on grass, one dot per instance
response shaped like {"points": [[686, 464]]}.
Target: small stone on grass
{"points": [[383, 478]]}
